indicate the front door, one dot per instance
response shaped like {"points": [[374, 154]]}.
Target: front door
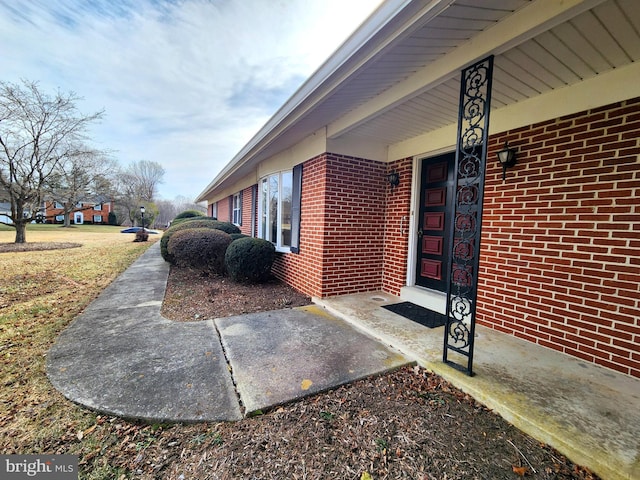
{"points": [[436, 196]]}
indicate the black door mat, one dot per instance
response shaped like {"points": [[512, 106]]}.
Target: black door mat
{"points": [[419, 314]]}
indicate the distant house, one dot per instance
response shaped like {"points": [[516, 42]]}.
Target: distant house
{"points": [[352, 178], [83, 212]]}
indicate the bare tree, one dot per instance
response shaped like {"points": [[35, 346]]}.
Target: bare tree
{"points": [[183, 203], [37, 132], [166, 212], [137, 186], [147, 175], [168, 209]]}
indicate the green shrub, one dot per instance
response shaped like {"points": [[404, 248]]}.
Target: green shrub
{"points": [[201, 248], [237, 236], [113, 219], [192, 222], [189, 214], [249, 260]]}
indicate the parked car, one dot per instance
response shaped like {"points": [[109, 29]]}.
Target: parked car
{"points": [[136, 230]]}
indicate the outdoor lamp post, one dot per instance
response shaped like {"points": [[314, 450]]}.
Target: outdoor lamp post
{"points": [[142, 210]]}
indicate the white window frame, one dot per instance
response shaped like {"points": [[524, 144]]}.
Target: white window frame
{"points": [[264, 213], [97, 219], [236, 209]]}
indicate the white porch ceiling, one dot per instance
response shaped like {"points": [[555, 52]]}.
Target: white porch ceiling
{"points": [[598, 40]]}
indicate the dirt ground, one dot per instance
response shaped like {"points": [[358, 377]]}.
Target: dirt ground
{"points": [[193, 296], [407, 424], [36, 246]]}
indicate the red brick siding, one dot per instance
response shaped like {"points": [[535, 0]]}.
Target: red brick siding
{"points": [[342, 228], [224, 209], [560, 259], [354, 225], [396, 228], [247, 197]]}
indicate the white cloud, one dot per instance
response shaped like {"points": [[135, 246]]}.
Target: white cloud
{"points": [[185, 83]]}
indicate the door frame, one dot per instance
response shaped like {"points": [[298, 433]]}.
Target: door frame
{"points": [[412, 251]]}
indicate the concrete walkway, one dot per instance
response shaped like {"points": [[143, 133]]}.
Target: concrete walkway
{"points": [[121, 357]]}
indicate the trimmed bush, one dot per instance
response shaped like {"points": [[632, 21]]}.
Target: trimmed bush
{"points": [[237, 236], [141, 236], [187, 223], [189, 214], [201, 248], [249, 260]]}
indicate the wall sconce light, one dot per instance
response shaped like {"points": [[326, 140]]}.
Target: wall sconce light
{"points": [[507, 157], [394, 179]]}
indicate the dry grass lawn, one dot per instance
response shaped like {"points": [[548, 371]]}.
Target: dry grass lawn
{"points": [[40, 293]]}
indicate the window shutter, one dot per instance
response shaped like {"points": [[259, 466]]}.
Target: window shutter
{"points": [[296, 197], [240, 209], [254, 209]]}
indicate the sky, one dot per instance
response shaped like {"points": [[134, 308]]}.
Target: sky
{"points": [[185, 83]]}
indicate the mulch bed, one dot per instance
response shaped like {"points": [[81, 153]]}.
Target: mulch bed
{"points": [[36, 246], [193, 295]]}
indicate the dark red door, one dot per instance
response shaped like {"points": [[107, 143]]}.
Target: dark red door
{"points": [[436, 194]]}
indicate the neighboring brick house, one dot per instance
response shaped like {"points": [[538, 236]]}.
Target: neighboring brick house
{"points": [[560, 245], [83, 212]]}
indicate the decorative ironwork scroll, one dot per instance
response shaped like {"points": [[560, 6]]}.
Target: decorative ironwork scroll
{"points": [[471, 154]]}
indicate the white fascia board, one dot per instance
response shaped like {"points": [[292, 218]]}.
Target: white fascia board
{"points": [[523, 25]]}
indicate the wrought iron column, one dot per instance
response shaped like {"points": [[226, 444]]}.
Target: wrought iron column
{"points": [[464, 235]]}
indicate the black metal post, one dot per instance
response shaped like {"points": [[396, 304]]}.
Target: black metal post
{"points": [[471, 155]]}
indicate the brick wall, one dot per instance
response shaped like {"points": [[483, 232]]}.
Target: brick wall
{"points": [[224, 209], [247, 197], [560, 257], [342, 228], [396, 228]]}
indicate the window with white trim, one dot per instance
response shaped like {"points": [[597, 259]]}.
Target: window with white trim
{"points": [[275, 208], [236, 212]]}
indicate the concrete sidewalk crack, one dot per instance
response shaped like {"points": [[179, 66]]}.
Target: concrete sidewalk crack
{"points": [[229, 368]]}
